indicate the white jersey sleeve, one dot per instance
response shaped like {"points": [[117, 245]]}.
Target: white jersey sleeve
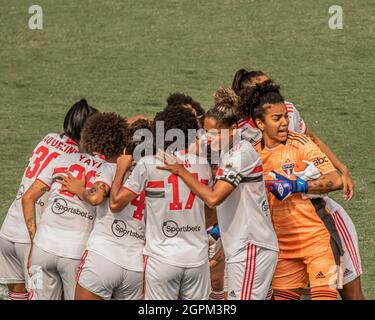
{"points": [[296, 123], [244, 216]]}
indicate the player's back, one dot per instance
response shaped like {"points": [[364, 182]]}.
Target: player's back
{"points": [[296, 220], [67, 220], [175, 217], [51, 147], [119, 237]]}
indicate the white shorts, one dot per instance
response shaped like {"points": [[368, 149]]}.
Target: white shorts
{"points": [[351, 259], [13, 262], [52, 277], [108, 280], [251, 278], [166, 282]]}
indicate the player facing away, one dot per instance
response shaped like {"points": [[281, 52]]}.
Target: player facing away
{"points": [[215, 250], [112, 264], [310, 247], [239, 195], [176, 250], [14, 238], [352, 289], [65, 225]]}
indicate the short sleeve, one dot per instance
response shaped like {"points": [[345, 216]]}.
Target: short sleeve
{"points": [[312, 153], [138, 178], [106, 175], [47, 174]]}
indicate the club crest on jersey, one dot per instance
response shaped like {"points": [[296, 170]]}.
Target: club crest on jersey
{"points": [[287, 168]]}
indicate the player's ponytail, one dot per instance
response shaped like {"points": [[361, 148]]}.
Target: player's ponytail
{"points": [[76, 118], [226, 101], [242, 79], [252, 100]]}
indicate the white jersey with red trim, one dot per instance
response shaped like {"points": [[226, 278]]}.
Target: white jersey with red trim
{"points": [[67, 221], [119, 237], [251, 133], [244, 217], [52, 146], [175, 217]]}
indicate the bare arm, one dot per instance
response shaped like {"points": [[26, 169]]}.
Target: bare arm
{"points": [[120, 197], [94, 196], [326, 183], [36, 190], [348, 184]]}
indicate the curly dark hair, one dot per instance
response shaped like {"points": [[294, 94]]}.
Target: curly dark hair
{"points": [[137, 125], [252, 100], [175, 117], [179, 98], [105, 134]]}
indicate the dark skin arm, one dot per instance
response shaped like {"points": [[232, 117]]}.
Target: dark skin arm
{"points": [[211, 217], [94, 196], [120, 197], [36, 190], [348, 184], [326, 183], [212, 197]]}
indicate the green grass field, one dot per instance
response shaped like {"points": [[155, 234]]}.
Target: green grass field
{"points": [[126, 56]]}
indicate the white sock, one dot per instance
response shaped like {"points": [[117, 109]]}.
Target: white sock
{"points": [[18, 296], [217, 295]]}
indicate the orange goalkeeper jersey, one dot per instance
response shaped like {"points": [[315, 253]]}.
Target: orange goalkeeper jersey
{"points": [[300, 230]]}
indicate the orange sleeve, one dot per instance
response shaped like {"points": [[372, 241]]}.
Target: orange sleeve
{"points": [[312, 153]]}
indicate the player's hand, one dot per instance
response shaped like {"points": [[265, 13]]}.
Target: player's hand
{"points": [[348, 186], [125, 161], [72, 184], [283, 187], [172, 163], [311, 172]]}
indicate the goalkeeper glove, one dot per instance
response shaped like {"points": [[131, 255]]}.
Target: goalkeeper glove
{"points": [[283, 187]]}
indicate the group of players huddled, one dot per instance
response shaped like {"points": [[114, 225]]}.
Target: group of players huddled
{"points": [[93, 221]]}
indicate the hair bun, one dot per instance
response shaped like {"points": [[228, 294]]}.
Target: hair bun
{"points": [[83, 102], [225, 99]]}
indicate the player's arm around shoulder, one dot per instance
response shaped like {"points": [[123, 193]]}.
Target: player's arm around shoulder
{"points": [[120, 196]]}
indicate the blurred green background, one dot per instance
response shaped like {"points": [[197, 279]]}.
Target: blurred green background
{"points": [[127, 56]]}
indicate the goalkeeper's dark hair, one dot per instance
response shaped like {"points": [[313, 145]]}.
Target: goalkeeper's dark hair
{"points": [[225, 105], [178, 98], [242, 79], [175, 117], [105, 134], [132, 133], [76, 118], [253, 99]]}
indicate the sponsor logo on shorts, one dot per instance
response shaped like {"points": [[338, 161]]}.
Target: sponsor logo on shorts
{"points": [[21, 192], [171, 228], [232, 294], [320, 275], [265, 206], [119, 229], [60, 206]]}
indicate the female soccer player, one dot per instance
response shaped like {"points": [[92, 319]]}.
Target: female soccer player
{"points": [[112, 264], [352, 289], [14, 238], [239, 195], [310, 247], [65, 225], [176, 248]]}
